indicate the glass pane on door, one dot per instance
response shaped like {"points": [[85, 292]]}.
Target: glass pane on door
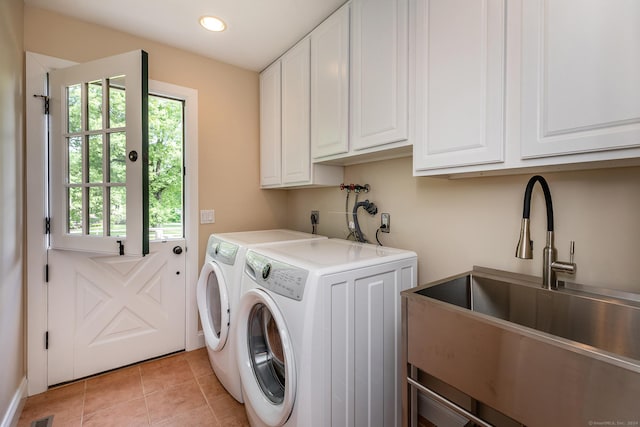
{"points": [[96, 158], [166, 141]]}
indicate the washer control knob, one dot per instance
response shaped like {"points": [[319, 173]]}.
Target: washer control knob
{"points": [[265, 271], [216, 249]]}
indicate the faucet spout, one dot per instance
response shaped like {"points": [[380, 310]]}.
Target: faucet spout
{"points": [[524, 250]]}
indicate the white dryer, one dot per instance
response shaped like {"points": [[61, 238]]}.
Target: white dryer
{"points": [[318, 333], [218, 293]]}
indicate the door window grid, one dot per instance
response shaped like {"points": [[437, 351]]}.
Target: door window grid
{"points": [[95, 184]]}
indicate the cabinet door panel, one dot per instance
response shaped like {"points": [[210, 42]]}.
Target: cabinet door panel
{"points": [[460, 82], [270, 126], [330, 86], [379, 72], [580, 68], [296, 148]]}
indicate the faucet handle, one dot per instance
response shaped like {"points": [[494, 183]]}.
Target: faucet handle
{"points": [[572, 250], [566, 267]]}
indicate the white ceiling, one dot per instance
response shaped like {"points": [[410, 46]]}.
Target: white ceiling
{"points": [[258, 31]]}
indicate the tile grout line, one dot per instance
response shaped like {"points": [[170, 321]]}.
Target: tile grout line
{"points": [[215, 415], [144, 395], [84, 399], [204, 396]]}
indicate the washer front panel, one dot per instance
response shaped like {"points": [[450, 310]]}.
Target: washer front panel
{"points": [[278, 277]]}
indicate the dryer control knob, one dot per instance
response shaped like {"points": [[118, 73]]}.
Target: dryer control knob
{"points": [[265, 271]]}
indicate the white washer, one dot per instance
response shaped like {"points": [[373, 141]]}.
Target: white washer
{"points": [[318, 333], [218, 293]]}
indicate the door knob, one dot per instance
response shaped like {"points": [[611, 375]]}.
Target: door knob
{"points": [[177, 250]]}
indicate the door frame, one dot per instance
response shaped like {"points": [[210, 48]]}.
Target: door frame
{"points": [[36, 202]]}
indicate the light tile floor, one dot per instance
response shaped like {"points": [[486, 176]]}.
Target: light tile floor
{"points": [[179, 390]]}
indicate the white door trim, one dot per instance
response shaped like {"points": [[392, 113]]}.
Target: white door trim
{"points": [[36, 197]]}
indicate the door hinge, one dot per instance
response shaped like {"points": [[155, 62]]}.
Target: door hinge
{"points": [[46, 340], [47, 225], [46, 273], [45, 99]]}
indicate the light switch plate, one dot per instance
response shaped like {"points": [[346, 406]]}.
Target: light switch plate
{"points": [[207, 216]]}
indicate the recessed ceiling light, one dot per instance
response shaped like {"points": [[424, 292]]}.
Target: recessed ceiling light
{"points": [[212, 23]]}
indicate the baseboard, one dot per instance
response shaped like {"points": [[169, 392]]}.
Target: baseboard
{"points": [[11, 417], [438, 414]]}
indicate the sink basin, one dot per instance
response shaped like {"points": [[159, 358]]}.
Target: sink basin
{"points": [[607, 322], [541, 357]]}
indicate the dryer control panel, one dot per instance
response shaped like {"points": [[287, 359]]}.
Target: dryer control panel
{"points": [[222, 251], [275, 276]]}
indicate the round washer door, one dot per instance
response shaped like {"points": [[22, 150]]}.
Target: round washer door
{"points": [[213, 305], [266, 358]]}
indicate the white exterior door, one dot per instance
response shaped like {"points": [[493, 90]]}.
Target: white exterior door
{"points": [[114, 298], [144, 298], [107, 311]]}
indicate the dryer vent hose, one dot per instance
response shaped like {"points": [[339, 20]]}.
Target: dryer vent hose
{"points": [[371, 208]]}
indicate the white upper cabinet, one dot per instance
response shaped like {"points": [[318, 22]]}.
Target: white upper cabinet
{"points": [[285, 148], [270, 126], [379, 72], [330, 86], [569, 97], [580, 76], [460, 82], [296, 166]]}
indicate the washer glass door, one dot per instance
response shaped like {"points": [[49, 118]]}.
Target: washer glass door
{"points": [[266, 353], [266, 358], [213, 305]]}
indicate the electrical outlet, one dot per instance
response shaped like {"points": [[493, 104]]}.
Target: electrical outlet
{"points": [[385, 222], [315, 217]]}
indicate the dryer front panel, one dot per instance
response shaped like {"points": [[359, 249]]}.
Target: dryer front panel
{"points": [[213, 305]]}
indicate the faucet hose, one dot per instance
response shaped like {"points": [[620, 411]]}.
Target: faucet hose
{"points": [[547, 198]]}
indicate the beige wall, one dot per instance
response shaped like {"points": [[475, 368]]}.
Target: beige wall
{"points": [[12, 310], [228, 115], [455, 224]]}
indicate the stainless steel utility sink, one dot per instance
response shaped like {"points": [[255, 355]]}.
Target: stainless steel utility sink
{"points": [[542, 357], [606, 322]]}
